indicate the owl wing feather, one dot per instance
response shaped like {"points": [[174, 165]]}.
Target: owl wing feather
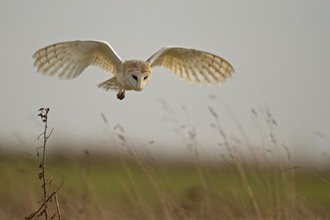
{"points": [[67, 60], [193, 66]]}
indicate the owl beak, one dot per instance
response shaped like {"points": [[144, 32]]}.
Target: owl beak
{"points": [[138, 87]]}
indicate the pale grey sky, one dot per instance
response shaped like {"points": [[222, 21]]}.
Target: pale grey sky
{"points": [[280, 51]]}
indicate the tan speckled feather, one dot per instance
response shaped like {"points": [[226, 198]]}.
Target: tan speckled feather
{"points": [[192, 66], [67, 60], [140, 65]]}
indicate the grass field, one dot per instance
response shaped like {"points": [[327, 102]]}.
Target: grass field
{"points": [[114, 188], [131, 184]]}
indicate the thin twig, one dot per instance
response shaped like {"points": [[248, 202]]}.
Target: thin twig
{"points": [[34, 213], [44, 118], [43, 208]]}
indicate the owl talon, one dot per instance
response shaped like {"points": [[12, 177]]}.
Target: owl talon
{"points": [[121, 95]]}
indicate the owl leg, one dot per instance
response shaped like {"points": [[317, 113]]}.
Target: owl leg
{"points": [[121, 94]]}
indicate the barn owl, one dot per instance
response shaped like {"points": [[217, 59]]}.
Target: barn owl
{"points": [[67, 60]]}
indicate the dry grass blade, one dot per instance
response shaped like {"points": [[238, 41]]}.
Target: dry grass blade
{"points": [[314, 206], [238, 164]]}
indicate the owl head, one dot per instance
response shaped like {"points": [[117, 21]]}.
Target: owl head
{"points": [[138, 74]]}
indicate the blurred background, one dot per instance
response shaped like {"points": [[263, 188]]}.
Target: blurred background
{"points": [[277, 99], [279, 50]]}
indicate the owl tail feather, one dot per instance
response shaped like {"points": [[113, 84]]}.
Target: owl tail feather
{"points": [[110, 84]]}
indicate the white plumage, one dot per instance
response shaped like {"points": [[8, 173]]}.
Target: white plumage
{"points": [[67, 60]]}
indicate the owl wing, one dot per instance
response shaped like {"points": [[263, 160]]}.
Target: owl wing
{"points": [[67, 60], [193, 66]]}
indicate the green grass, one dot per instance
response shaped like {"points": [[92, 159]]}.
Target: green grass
{"points": [[107, 187]]}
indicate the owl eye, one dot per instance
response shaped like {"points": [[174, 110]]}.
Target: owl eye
{"points": [[135, 77], [145, 77]]}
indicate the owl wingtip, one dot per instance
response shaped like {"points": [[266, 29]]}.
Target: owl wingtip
{"points": [[35, 55]]}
